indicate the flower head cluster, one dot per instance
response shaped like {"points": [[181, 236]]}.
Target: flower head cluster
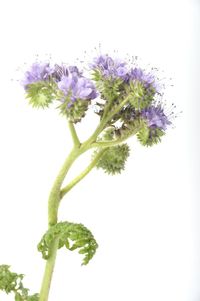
{"points": [[147, 79], [37, 72], [110, 68], [77, 87], [155, 117], [76, 92], [124, 93], [115, 75], [117, 68], [63, 70], [43, 84], [156, 124]]}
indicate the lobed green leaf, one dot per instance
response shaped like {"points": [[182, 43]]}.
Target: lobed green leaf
{"points": [[72, 236], [12, 283]]}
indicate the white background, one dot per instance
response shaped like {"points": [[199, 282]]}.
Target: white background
{"points": [[145, 220]]}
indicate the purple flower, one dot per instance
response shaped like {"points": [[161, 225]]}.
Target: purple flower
{"points": [[63, 70], [77, 87], [147, 79], [156, 117], [37, 72], [110, 67]]}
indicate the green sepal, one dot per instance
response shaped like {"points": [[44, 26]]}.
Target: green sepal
{"points": [[129, 128], [110, 90], [140, 97], [72, 236], [97, 75], [74, 111], [40, 94], [114, 159], [149, 136]]}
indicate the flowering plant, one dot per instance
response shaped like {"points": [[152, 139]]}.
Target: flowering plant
{"points": [[128, 101]]}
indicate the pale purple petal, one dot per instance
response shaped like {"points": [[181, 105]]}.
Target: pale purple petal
{"points": [[156, 117], [37, 72]]}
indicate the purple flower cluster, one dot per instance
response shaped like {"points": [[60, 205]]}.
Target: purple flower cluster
{"points": [[69, 80], [110, 67], [132, 90], [63, 70], [155, 117], [147, 79], [116, 68], [37, 72], [77, 87]]}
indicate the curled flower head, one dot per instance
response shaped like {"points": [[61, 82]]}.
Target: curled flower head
{"points": [[77, 87], [63, 70], [155, 117], [76, 93], [129, 97], [156, 123], [113, 68], [37, 72], [147, 79]]}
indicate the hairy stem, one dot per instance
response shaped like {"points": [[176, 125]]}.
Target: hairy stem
{"points": [[82, 174], [106, 144], [74, 134], [53, 205], [105, 121], [56, 193], [48, 273]]}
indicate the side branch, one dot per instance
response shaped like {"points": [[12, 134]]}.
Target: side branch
{"points": [[74, 134], [82, 174], [106, 144], [104, 122]]}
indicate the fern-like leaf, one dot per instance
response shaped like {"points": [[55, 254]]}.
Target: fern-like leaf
{"points": [[12, 283], [72, 236]]}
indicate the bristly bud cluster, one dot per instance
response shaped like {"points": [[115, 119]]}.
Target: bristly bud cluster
{"points": [[44, 84], [124, 95], [114, 159], [141, 113]]}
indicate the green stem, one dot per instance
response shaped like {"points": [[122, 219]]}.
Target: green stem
{"points": [[104, 122], [82, 174], [74, 134], [117, 109], [105, 144], [56, 193], [53, 205], [54, 197], [48, 273]]}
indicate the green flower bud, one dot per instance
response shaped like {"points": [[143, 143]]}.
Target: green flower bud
{"points": [[149, 136], [74, 111], [40, 94], [113, 161], [140, 97]]}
